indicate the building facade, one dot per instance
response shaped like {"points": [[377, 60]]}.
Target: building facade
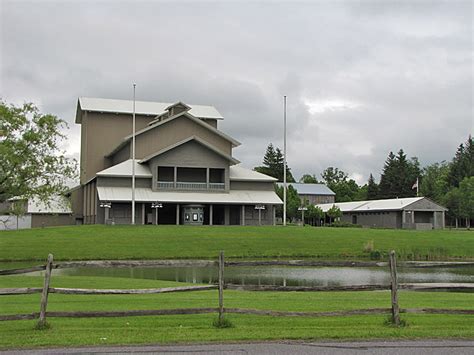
{"points": [[184, 169], [314, 194], [405, 213]]}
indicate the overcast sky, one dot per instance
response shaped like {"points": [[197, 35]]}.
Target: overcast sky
{"points": [[362, 77]]}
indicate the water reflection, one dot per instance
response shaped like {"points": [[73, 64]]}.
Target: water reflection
{"points": [[282, 276]]}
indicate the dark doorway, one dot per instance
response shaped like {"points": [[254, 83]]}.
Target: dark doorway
{"points": [[167, 214], [354, 219], [218, 214]]}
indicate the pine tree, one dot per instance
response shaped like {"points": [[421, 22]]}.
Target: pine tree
{"points": [[273, 162], [372, 189], [463, 163], [388, 178]]}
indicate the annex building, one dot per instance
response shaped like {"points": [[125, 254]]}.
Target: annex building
{"points": [[406, 213], [313, 193], [185, 171]]}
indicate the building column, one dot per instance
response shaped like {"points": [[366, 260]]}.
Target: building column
{"points": [[226, 215], [404, 217], [435, 220], [443, 222], [207, 178], [106, 214], [274, 214], [143, 213], [175, 176], [177, 214], [211, 214], [259, 217], [242, 216], [413, 217], [156, 215]]}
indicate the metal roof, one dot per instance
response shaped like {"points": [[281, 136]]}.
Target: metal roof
{"points": [[141, 108], [394, 204], [310, 189], [238, 173], [124, 194], [124, 169]]}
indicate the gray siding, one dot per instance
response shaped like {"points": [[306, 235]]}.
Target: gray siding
{"points": [[390, 219], [190, 154], [252, 185]]}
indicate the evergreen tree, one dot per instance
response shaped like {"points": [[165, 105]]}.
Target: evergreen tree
{"points": [[388, 178], [398, 176], [463, 163], [273, 162], [372, 189]]}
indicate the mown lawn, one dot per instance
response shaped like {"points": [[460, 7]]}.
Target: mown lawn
{"points": [[158, 242], [198, 328]]}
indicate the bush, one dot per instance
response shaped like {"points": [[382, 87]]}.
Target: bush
{"points": [[222, 323], [369, 246], [339, 224]]}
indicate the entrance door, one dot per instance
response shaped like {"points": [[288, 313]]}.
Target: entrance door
{"points": [[354, 219]]}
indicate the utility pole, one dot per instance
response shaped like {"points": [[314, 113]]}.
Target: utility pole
{"points": [[284, 160], [133, 157]]}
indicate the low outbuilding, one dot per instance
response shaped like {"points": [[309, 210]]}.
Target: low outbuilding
{"points": [[403, 213]]}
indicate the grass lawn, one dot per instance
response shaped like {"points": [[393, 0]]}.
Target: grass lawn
{"points": [[158, 242], [198, 328]]}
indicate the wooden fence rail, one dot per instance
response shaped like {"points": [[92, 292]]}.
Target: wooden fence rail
{"points": [[394, 286]]}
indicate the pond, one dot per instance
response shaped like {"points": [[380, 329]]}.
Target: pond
{"points": [[276, 275]]}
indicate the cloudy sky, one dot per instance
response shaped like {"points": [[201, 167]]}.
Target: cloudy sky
{"points": [[362, 77]]}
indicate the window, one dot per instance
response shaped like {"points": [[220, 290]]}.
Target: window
{"points": [[195, 217], [186, 216]]}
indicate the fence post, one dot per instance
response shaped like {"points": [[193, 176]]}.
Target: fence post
{"points": [[44, 294], [221, 287], [394, 289]]}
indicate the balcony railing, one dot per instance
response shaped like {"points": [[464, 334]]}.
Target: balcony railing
{"points": [[180, 185], [216, 186]]}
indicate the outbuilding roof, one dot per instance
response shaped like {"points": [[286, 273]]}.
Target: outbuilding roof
{"points": [[394, 204], [124, 194], [238, 173], [141, 108], [310, 189]]}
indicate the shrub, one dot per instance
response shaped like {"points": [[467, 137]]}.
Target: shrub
{"points": [[222, 323], [369, 246]]}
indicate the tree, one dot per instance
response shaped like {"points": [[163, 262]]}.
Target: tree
{"points": [[314, 214], [309, 179], [434, 183], [462, 164], [466, 205], [333, 213], [398, 176], [452, 201], [293, 201], [31, 162], [337, 180], [273, 162], [372, 189]]}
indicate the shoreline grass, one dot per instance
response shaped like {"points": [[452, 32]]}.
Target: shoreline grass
{"points": [[98, 242]]}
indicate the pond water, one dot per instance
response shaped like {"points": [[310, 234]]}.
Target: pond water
{"points": [[277, 275]]}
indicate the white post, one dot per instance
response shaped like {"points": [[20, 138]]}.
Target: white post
{"points": [[210, 214], [133, 157], [284, 160]]}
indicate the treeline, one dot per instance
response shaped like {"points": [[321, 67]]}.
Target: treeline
{"points": [[450, 184]]}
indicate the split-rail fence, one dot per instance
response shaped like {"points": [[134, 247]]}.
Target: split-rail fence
{"points": [[394, 286]]}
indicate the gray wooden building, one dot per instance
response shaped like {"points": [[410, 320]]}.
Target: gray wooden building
{"points": [[184, 168], [404, 213]]}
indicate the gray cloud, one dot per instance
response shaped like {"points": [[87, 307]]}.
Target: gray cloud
{"points": [[378, 76]]}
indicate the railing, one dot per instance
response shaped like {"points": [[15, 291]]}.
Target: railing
{"points": [[216, 186], [165, 184], [181, 185], [394, 286]]}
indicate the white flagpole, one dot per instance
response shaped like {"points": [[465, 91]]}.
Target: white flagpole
{"points": [[284, 160], [133, 157], [417, 187]]}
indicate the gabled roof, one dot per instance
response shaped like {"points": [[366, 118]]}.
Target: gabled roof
{"points": [[141, 108], [124, 169], [192, 138], [238, 173], [234, 142], [55, 205], [311, 189], [394, 204], [179, 103]]}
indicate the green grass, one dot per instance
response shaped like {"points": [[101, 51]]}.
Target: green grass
{"points": [[158, 242], [199, 328]]}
